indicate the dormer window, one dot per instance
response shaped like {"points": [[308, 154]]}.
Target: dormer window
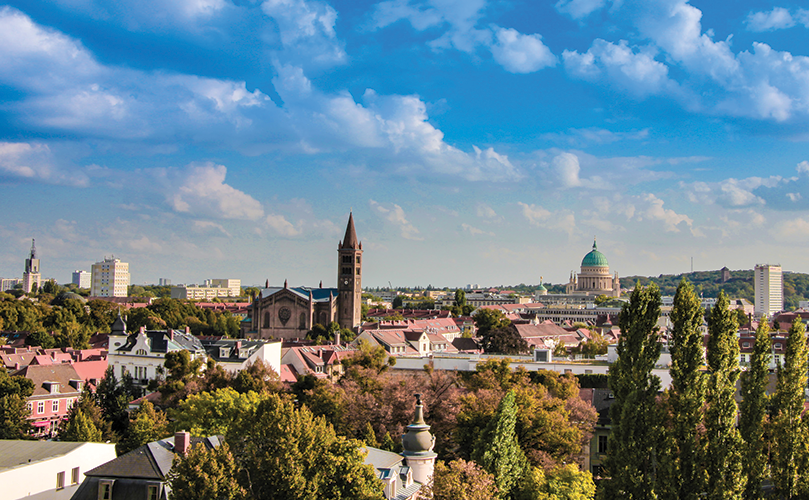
{"points": [[141, 352], [105, 490], [224, 352]]}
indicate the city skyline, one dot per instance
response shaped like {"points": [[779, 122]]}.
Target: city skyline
{"points": [[475, 142]]}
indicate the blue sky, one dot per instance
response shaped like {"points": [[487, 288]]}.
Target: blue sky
{"points": [[475, 141]]}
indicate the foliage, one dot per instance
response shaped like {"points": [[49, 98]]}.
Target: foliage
{"points": [[79, 427], [212, 413], [498, 451], [635, 418], [497, 334], [682, 475], [13, 410], [147, 425], [258, 377], [594, 346], [283, 453], [593, 380], [462, 480], [204, 473], [723, 461], [40, 339], [565, 482], [789, 452], [370, 357], [754, 413]]}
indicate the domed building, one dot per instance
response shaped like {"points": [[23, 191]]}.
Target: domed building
{"points": [[594, 278]]}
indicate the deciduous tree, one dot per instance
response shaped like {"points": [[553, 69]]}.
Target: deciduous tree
{"points": [[212, 413], [462, 480], [204, 473], [147, 425], [754, 413]]}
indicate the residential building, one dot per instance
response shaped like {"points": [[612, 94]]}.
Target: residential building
{"points": [[31, 275], [164, 282], [48, 469], [320, 361], [110, 278], [82, 279], [595, 451], [289, 313], [142, 472], [211, 289], [234, 355], [768, 281], [142, 354], [56, 388], [7, 284]]}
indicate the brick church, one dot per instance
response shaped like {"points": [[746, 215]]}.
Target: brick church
{"points": [[288, 313]]}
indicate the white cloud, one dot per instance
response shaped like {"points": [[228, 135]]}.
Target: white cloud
{"points": [[485, 211], [566, 167], [621, 66], [35, 162], [200, 189], [560, 220], [279, 224], [803, 167], [589, 136], [473, 230], [306, 28], [579, 9], [519, 53], [777, 19], [394, 214], [654, 211], [205, 225]]}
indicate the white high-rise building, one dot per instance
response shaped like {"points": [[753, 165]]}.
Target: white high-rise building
{"points": [[110, 278], [768, 281], [82, 279]]}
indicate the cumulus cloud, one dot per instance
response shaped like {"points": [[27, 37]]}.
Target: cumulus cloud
{"points": [[560, 220], [777, 19], [394, 214], [473, 230], [566, 166], [281, 225], [633, 70], [35, 162], [579, 9], [520, 53], [654, 211], [306, 28], [200, 189], [485, 211], [206, 225]]}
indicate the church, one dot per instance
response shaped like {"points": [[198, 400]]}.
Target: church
{"points": [[289, 313], [594, 278]]}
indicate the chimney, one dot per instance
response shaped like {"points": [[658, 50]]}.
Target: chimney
{"points": [[142, 330], [188, 330], [238, 344], [182, 442]]}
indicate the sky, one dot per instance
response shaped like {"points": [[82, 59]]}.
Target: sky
{"points": [[475, 141]]}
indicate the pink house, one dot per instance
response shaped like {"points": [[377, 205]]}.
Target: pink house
{"points": [[56, 389]]}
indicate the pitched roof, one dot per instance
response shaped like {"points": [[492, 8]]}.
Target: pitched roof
{"points": [[350, 238], [61, 374]]}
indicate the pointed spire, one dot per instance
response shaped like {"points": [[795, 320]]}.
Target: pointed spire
{"points": [[285, 284], [33, 249], [594, 243], [350, 239], [321, 284], [267, 283]]}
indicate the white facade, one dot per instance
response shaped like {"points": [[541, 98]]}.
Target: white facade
{"points": [[110, 278], [7, 284], [82, 279], [56, 475], [768, 281], [196, 292], [235, 286]]}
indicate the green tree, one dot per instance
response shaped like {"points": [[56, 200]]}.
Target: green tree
{"points": [[723, 458], [284, 453], [40, 339], [460, 298], [754, 413], [148, 425], [684, 476], [789, 460], [631, 458], [565, 482], [398, 301], [211, 413], [13, 409], [498, 451], [462, 480], [203, 473], [79, 427]]}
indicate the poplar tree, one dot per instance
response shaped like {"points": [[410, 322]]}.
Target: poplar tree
{"points": [[80, 427], [684, 478], [788, 432], [634, 440], [754, 413], [723, 461]]}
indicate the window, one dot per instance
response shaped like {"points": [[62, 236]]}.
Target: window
{"points": [[105, 490], [60, 480], [141, 352], [358, 259], [602, 444], [266, 320], [346, 270], [40, 407], [742, 359], [55, 406], [303, 321], [152, 493], [30, 407], [358, 271], [346, 259], [74, 476]]}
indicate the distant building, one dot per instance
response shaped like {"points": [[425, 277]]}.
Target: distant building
{"points": [[212, 289], [110, 278], [164, 282], [7, 284], [725, 277], [48, 469], [768, 282], [82, 279], [594, 278], [31, 275]]}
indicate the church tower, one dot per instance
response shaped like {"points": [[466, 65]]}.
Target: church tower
{"points": [[31, 274], [349, 278]]}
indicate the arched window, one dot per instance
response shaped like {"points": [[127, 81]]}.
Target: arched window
{"points": [[266, 320], [303, 321]]}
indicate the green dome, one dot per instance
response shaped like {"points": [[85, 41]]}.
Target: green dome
{"points": [[594, 258], [542, 288]]}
